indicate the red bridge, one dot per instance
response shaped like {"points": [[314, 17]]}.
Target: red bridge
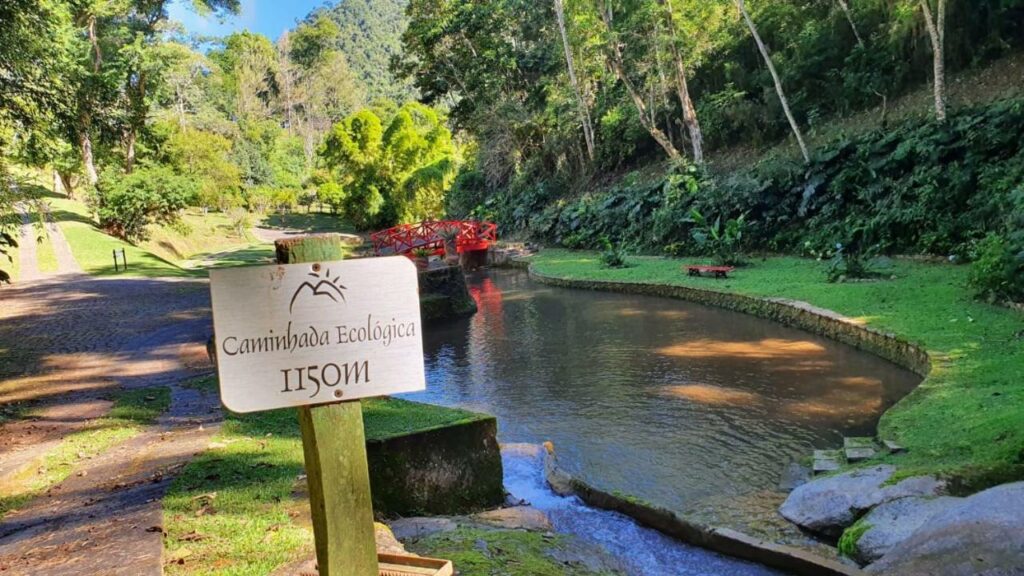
{"points": [[404, 238]]}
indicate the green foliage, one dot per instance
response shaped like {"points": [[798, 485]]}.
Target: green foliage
{"points": [[369, 36], [998, 269], [205, 157], [919, 187], [722, 241], [127, 203], [611, 255], [397, 174]]}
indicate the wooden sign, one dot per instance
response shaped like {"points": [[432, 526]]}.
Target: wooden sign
{"points": [[306, 334]]}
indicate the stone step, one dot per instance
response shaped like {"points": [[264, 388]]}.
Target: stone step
{"points": [[857, 449], [826, 461]]}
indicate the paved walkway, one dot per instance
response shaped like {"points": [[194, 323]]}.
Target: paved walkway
{"points": [[67, 341], [28, 243]]}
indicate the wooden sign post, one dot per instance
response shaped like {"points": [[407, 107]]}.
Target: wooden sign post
{"points": [[334, 445], [317, 334]]}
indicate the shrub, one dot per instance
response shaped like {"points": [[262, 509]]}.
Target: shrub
{"points": [[721, 241], [611, 255], [127, 203], [241, 221], [998, 269]]}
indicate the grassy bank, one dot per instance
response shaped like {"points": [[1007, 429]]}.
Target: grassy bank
{"points": [[93, 249], [238, 509], [963, 421], [132, 410]]}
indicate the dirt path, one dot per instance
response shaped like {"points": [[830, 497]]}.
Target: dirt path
{"points": [[28, 255], [70, 340]]}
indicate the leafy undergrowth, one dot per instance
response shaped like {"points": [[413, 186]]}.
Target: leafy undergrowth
{"points": [[131, 412], [483, 552], [963, 421], [234, 509]]}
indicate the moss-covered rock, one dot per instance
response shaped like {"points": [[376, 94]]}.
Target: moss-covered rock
{"points": [[444, 295], [455, 469]]}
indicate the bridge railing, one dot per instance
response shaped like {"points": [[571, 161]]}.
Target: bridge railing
{"points": [[404, 238]]}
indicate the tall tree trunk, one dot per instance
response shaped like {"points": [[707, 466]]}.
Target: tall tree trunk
{"points": [[97, 56], [588, 127], [129, 150], [87, 159], [57, 186], [689, 111], [69, 185], [617, 65], [741, 4], [937, 33], [849, 18]]}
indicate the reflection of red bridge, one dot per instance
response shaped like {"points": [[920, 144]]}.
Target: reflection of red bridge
{"points": [[405, 238]]}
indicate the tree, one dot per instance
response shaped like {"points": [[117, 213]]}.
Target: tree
{"points": [[584, 108], [849, 18], [937, 34], [683, 90], [205, 157], [394, 174], [613, 48], [741, 4]]}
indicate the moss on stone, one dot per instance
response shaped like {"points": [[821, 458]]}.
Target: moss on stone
{"points": [[848, 541]]}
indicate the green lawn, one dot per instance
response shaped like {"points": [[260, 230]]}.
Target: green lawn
{"points": [[132, 410], [308, 222], [93, 249], [965, 421], [46, 258], [240, 496]]}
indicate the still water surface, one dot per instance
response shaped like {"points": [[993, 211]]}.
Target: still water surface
{"points": [[662, 399]]}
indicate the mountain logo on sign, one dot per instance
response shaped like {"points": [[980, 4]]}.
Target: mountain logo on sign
{"points": [[323, 286]]}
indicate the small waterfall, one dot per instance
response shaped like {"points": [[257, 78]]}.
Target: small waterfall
{"points": [[641, 550]]}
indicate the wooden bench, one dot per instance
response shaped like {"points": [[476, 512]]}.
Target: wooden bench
{"points": [[716, 271]]}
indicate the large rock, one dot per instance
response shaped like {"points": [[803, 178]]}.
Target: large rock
{"points": [[893, 522], [420, 527], [982, 534], [830, 505]]}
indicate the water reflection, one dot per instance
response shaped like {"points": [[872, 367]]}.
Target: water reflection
{"points": [[663, 399]]}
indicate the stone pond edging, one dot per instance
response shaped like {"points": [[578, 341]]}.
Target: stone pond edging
{"points": [[787, 312], [722, 540]]}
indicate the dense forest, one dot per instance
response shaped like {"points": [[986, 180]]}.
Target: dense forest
{"points": [[581, 123]]}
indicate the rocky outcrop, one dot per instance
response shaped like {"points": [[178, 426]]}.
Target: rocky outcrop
{"points": [[891, 523], [830, 505], [981, 534]]}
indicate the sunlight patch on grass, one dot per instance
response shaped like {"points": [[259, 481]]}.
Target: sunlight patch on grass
{"points": [[131, 412]]}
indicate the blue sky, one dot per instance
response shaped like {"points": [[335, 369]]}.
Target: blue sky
{"points": [[268, 17]]}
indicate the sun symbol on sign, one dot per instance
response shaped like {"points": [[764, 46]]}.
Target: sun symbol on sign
{"points": [[323, 286]]}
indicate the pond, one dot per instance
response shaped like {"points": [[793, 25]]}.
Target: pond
{"points": [[665, 400]]}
